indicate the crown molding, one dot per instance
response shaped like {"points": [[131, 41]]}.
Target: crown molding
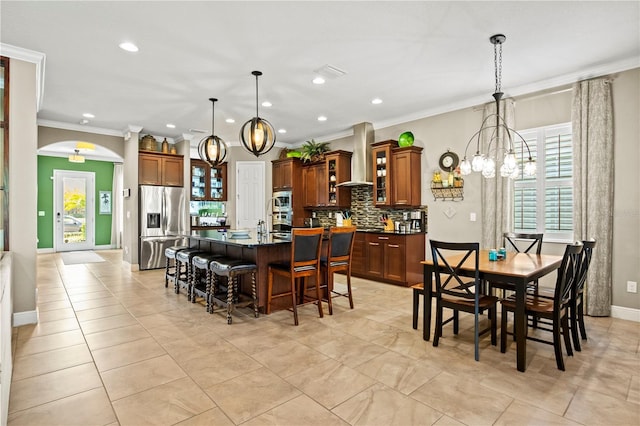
{"points": [[37, 58], [79, 128]]}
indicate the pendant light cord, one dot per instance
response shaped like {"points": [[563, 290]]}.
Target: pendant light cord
{"points": [[257, 96]]}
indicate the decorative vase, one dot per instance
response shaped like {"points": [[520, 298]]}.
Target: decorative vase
{"points": [[165, 146], [148, 143]]}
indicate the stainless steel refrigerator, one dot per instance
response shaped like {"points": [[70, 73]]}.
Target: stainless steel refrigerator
{"points": [[162, 223]]}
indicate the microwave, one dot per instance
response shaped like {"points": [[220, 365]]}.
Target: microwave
{"points": [[281, 201], [282, 221]]}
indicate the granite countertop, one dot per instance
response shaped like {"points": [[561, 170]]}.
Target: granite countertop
{"points": [[251, 240]]}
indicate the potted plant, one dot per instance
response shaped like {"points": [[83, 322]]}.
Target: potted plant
{"points": [[313, 151]]}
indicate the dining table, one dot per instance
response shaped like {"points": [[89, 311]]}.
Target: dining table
{"points": [[517, 269]]}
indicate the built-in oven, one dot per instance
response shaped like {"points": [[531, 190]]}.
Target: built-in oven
{"points": [[281, 201], [282, 221]]}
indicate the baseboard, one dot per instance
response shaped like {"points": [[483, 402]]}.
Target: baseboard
{"points": [[625, 313], [45, 250], [24, 318]]}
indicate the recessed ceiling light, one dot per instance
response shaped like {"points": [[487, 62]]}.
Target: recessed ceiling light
{"points": [[322, 118], [318, 80], [88, 115], [171, 126], [376, 101], [230, 120], [128, 46], [282, 130], [266, 104]]}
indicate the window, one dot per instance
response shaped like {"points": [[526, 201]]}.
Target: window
{"points": [[544, 202]]}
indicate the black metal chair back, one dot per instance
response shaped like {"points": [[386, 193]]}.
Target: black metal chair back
{"points": [[567, 276], [585, 261], [448, 280]]}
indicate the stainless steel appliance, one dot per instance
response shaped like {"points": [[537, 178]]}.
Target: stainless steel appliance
{"points": [[162, 223], [281, 201], [282, 221]]}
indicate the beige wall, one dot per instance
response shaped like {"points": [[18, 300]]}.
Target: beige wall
{"points": [[23, 137], [452, 131], [49, 135]]}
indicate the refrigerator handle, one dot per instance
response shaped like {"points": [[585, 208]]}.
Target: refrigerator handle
{"points": [[164, 213]]}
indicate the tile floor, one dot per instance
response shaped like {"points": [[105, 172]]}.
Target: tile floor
{"points": [[116, 347]]}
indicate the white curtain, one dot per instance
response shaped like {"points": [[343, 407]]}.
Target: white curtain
{"points": [[497, 192], [116, 207], [592, 122]]}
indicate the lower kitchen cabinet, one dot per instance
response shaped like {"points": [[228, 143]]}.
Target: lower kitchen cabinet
{"points": [[388, 257]]}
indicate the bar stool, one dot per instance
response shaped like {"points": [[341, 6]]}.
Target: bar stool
{"points": [[170, 272], [231, 268], [184, 257], [338, 258], [201, 286]]}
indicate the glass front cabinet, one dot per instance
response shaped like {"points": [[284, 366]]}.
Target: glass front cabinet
{"points": [[208, 183]]}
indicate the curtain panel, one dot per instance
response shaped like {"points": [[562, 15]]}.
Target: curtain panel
{"points": [[497, 192], [592, 122]]}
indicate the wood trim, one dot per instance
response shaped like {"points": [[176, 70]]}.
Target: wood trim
{"points": [[4, 123]]}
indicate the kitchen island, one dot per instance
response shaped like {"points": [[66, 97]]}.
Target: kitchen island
{"points": [[258, 249]]}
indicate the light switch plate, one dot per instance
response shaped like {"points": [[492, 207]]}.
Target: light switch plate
{"points": [[40, 212]]}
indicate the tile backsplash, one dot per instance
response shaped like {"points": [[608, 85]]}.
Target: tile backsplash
{"points": [[363, 212]]}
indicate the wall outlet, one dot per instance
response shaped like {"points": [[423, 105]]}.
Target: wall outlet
{"points": [[632, 287]]}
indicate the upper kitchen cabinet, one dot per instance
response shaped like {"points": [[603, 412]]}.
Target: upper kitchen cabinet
{"points": [[381, 157], [396, 180], [284, 172], [338, 170], [314, 182], [407, 188], [160, 169], [208, 183]]}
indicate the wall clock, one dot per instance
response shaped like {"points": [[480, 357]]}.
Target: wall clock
{"points": [[449, 161]]}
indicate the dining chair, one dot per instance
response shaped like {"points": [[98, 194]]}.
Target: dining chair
{"points": [[520, 243], [460, 293], [556, 308], [339, 251], [576, 313], [304, 263]]}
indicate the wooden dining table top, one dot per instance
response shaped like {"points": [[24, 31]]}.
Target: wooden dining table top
{"points": [[520, 265]]}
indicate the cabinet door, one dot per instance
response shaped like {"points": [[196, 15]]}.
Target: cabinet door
{"points": [[402, 178], [198, 180], [218, 183], [172, 172], [382, 195], [359, 254], [149, 170], [310, 186], [322, 191], [375, 258], [394, 261]]}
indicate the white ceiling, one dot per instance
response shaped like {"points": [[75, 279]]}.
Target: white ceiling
{"points": [[420, 58]]}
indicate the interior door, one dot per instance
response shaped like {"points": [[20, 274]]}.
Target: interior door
{"points": [[74, 210], [250, 198]]}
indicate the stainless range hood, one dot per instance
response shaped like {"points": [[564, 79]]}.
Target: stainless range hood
{"points": [[363, 137]]}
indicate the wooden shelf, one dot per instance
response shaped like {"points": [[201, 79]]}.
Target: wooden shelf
{"points": [[447, 193]]}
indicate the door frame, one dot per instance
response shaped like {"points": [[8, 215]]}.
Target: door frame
{"points": [[58, 207]]}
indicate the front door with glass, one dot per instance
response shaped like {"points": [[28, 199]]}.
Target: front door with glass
{"points": [[74, 210]]}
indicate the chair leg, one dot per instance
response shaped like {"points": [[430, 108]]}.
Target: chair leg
{"points": [[557, 345], [254, 294], [476, 336], [294, 301], [583, 331], [503, 330], [231, 283], [319, 295], [166, 274], [416, 306], [456, 322], [494, 326], [438, 331], [208, 291], [573, 318], [566, 333], [349, 288], [329, 282]]}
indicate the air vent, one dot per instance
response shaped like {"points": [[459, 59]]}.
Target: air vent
{"points": [[198, 131], [329, 71]]}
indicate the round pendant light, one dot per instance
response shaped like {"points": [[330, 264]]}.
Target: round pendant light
{"points": [[257, 135], [212, 149]]}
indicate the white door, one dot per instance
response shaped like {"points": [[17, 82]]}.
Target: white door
{"points": [[250, 200], [74, 210]]}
